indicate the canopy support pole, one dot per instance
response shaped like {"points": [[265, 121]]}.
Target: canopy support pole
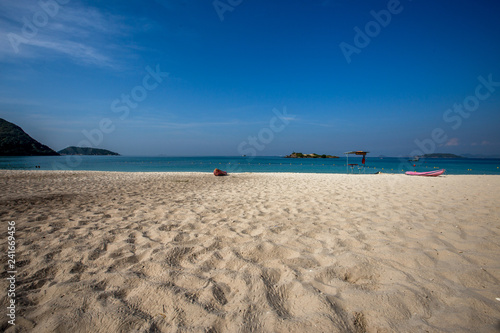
{"points": [[347, 163]]}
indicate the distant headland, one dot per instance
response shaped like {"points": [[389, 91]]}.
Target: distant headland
{"points": [[86, 151], [440, 155], [15, 142], [313, 155]]}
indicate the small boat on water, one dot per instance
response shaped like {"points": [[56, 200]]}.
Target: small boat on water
{"points": [[434, 173]]}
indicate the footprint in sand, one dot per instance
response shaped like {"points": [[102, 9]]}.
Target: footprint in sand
{"points": [[276, 295]]}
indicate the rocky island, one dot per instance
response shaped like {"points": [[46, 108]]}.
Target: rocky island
{"points": [[87, 151], [313, 155], [440, 155]]}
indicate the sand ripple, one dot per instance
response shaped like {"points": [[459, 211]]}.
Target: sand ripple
{"points": [[160, 252]]}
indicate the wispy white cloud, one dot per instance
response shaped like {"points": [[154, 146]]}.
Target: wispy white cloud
{"points": [[77, 51], [482, 143], [84, 34], [162, 124], [187, 125], [316, 124], [452, 142]]}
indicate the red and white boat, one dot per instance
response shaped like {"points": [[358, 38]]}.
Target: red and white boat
{"points": [[434, 173]]}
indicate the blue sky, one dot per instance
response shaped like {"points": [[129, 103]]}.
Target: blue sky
{"points": [[66, 67]]}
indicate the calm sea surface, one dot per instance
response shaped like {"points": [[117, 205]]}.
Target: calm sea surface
{"points": [[249, 164]]}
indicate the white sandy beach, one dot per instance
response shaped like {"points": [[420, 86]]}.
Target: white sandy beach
{"points": [[190, 252]]}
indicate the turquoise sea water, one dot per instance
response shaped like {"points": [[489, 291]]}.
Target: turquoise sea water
{"points": [[248, 164]]}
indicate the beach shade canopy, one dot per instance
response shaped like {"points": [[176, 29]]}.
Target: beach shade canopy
{"points": [[357, 152]]}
